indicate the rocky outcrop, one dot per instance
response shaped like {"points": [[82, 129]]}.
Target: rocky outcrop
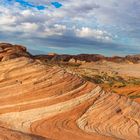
{"points": [[73, 61], [9, 51], [133, 58], [52, 54]]}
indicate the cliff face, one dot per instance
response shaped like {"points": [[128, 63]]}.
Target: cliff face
{"points": [[53, 103]]}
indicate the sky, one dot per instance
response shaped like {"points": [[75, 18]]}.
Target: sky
{"points": [[108, 27]]}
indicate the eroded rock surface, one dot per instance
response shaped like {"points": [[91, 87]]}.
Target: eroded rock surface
{"points": [[9, 51], [50, 102]]}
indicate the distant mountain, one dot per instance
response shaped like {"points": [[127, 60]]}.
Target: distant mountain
{"points": [[9, 51], [90, 58]]}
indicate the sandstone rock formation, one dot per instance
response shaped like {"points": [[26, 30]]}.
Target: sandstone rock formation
{"points": [[113, 115], [73, 61], [51, 102], [7, 134], [52, 54], [9, 51]]}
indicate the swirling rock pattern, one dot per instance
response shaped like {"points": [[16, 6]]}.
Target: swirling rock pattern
{"points": [[113, 115], [50, 102]]}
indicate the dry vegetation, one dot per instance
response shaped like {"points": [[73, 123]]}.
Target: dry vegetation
{"points": [[113, 77]]}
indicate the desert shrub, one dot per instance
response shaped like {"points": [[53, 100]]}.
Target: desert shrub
{"points": [[134, 96], [96, 79], [119, 85]]}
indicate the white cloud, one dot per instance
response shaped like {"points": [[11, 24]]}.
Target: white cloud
{"points": [[56, 29], [86, 32], [6, 17], [7, 20], [27, 27], [27, 13]]}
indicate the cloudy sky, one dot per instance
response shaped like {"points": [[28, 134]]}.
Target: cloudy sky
{"points": [[109, 27]]}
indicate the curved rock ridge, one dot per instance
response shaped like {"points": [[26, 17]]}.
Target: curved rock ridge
{"points": [[113, 115], [50, 102]]}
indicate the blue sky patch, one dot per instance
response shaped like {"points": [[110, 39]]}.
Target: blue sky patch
{"points": [[27, 4], [41, 7], [30, 5], [56, 4]]}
